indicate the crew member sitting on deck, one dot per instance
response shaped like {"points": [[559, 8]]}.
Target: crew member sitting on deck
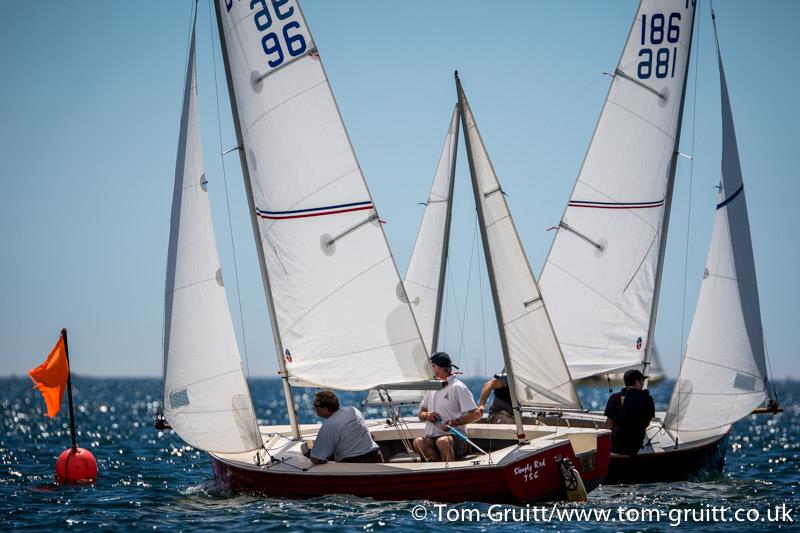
{"points": [[500, 411], [343, 435], [450, 406], [628, 413]]}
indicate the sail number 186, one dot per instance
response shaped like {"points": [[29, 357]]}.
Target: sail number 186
{"points": [[660, 31]]}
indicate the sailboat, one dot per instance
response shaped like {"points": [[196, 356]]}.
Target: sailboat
{"points": [[603, 273], [340, 315]]}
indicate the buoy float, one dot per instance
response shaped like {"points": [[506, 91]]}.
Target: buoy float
{"points": [[76, 465]]}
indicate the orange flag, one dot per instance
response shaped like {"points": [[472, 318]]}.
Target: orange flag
{"points": [[51, 377]]}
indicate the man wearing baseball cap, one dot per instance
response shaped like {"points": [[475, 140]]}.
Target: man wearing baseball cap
{"points": [[450, 406], [628, 413]]}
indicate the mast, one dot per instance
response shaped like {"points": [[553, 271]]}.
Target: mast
{"points": [[490, 269], [446, 243], [662, 245], [287, 389]]}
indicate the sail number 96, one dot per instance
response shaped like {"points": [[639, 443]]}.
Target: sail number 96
{"points": [[279, 37], [661, 30]]}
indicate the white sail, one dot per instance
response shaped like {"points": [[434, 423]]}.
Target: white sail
{"points": [[723, 374], [206, 398], [343, 320], [425, 274], [541, 377], [426, 271], [599, 279]]}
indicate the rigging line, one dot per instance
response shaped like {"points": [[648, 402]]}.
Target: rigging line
{"points": [[483, 321], [443, 334], [227, 197], [769, 363], [691, 183], [463, 320]]}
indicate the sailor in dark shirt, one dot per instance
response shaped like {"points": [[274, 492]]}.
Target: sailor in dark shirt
{"points": [[500, 411], [628, 413]]}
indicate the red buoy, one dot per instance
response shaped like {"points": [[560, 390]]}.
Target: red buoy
{"points": [[76, 465]]}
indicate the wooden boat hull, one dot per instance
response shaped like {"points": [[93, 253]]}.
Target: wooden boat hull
{"points": [[533, 476], [682, 464]]}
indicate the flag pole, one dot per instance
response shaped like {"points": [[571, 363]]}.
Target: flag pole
{"points": [[69, 390]]}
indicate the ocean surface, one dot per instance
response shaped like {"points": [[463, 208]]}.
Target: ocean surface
{"points": [[152, 480]]}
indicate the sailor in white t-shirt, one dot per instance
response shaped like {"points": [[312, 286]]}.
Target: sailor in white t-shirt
{"points": [[344, 434], [450, 406]]}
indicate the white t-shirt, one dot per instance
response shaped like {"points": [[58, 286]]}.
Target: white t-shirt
{"points": [[343, 434], [450, 402]]}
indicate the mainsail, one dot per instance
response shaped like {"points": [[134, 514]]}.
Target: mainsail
{"points": [[206, 399], [723, 374], [341, 315], [540, 375], [600, 279]]}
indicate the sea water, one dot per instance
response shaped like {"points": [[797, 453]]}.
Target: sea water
{"points": [[150, 479]]}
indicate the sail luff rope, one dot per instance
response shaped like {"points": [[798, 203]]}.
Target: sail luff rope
{"points": [[227, 197]]}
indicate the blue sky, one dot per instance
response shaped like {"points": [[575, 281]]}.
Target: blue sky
{"points": [[90, 106]]}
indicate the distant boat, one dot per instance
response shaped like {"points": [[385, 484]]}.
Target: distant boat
{"points": [[603, 274], [340, 314]]}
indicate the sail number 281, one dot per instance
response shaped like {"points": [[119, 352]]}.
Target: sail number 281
{"points": [[660, 31]]}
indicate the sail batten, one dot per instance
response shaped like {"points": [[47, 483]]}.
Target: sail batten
{"points": [[601, 276], [206, 397], [341, 315]]}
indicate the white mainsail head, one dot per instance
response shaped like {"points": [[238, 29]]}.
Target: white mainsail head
{"points": [[723, 374], [599, 279], [343, 318], [206, 398], [541, 377]]}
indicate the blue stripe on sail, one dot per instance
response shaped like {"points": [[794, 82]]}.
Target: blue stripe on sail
{"points": [[616, 205], [730, 198], [295, 211]]}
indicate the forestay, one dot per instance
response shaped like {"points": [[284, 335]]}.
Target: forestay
{"points": [[599, 279], [206, 399], [541, 378], [342, 315], [723, 373]]}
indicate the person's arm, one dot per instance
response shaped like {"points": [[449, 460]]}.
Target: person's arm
{"points": [[323, 446], [432, 416], [467, 418], [424, 415], [469, 411], [611, 411], [488, 387]]}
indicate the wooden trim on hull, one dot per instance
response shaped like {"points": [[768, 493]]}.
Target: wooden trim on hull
{"points": [[670, 465], [505, 483]]}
